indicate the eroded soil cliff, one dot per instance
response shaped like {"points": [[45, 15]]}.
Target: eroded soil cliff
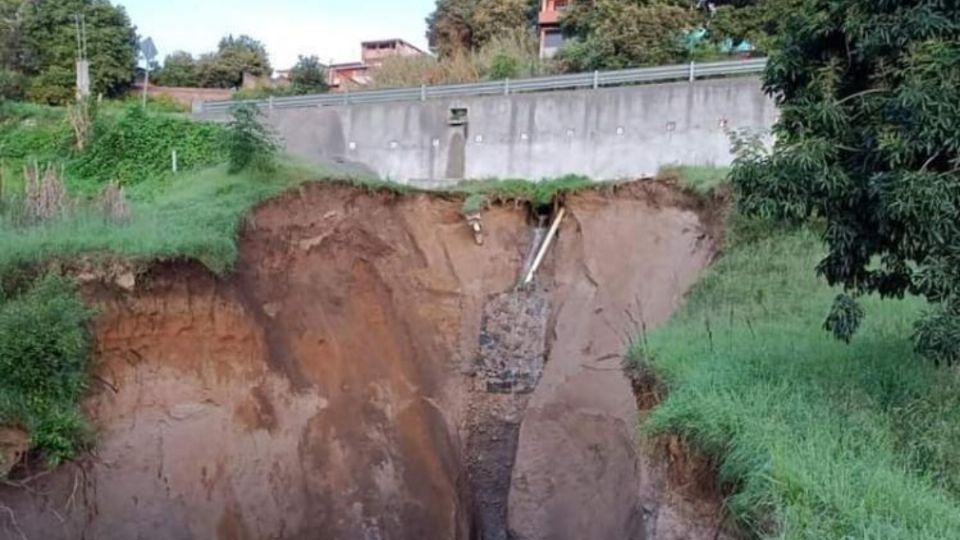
{"points": [[334, 385]]}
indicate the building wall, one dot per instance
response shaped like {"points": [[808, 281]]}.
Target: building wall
{"points": [[185, 96], [375, 56], [606, 134]]}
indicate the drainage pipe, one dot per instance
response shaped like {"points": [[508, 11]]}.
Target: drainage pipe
{"points": [[545, 246]]}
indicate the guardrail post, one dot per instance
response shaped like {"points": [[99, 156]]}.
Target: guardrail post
{"points": [[596, 80], [197, 107], [693, 73], [506, 87], [346, 97], [270, 103], [423, 92]]}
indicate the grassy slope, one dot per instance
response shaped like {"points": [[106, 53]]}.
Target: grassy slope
{"points": [[194, 215], [819, 438]]}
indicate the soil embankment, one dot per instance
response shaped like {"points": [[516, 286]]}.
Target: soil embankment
{"points": [[344, 383]]}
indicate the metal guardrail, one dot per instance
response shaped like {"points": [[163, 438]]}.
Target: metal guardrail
{"points": [[597, 79]]}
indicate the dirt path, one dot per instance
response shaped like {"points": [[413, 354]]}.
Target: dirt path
{"points": [[339, 381]]}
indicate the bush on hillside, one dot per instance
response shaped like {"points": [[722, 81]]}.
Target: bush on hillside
{"points": [[55, 85], [139, 147], [44, 355], [250, 143], [13, 86], [28, 132], [509, 55]]}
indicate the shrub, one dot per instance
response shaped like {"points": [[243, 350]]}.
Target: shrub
{"points": [[250, 144], [24, 135], [13, 85], [510, 55], [503, 67], [44, 355], [139, 146], [54, 86]]}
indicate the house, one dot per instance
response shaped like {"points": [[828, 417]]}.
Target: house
{"points": [[348, 76], [372, 53], [548, 23], [353, 75]]}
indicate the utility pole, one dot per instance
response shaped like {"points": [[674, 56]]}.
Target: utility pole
{"points": [[83, 64]]}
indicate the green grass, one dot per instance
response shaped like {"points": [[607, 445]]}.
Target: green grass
{"points": [[700, 180], [818, 439], [194, 215], [480, 193]]}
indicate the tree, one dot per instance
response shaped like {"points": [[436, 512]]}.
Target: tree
{"points": [[456, 26], [616, 34], [869, 142], [755, 21], [179, 69], [308, 76], [234, 57], [47, 47], [250, 143], [11, 23], [493, 18], [449, 27]]}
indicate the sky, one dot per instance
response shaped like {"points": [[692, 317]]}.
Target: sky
{"points": [[330, 29]]}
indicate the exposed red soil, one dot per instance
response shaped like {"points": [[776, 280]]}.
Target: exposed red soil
{"points": [[326, 388]]}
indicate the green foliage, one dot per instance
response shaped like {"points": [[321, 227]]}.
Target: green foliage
{"points": [[56, 85], [138, 147], [250, 143], [511, 54], [13, 85], [869, 94], [816, 439], [10, 19], [701, 180], [29, 134], [164, 104], [234, 57], [617, 34], [179, 69], [44, 353], [46, 47], [308, 76], [844, 318], [504, 67], [459, 26], [758, 22], [538, 194], [474, 203]]}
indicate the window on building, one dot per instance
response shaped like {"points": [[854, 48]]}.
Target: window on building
{"points": [[553, 39]]}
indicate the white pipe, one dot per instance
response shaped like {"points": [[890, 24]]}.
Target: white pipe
{"points": [[546, 245]]}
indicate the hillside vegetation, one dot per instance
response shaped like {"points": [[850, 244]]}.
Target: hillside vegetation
{"points": [[815, 438]]}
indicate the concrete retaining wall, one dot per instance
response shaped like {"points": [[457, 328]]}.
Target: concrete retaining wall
{"points": [[606, 134]]}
